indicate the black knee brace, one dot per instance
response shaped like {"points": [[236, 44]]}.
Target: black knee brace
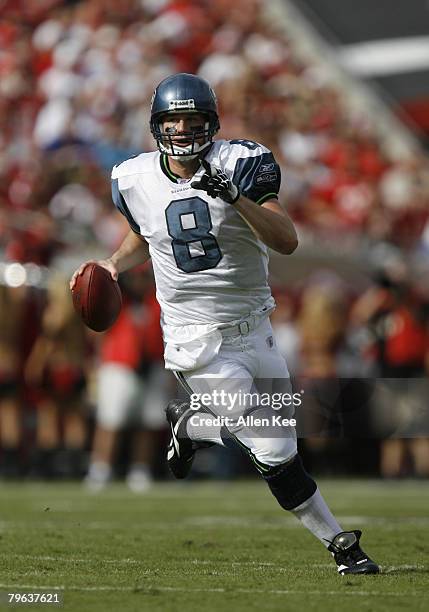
{"points": [[290, 484]]}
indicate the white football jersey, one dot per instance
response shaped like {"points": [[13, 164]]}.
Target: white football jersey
{"points": [[209, 267]]}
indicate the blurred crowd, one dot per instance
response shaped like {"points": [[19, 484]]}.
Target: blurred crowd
{"points": [[76, 80], [75, 90]]}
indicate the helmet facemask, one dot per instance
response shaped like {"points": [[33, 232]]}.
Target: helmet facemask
{"points": [[169, 143]]}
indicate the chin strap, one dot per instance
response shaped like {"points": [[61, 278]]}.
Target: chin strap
{"points": [[189, 152], [183, 157]]}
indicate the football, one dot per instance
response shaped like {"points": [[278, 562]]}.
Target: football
{"points": [[97, 298]]}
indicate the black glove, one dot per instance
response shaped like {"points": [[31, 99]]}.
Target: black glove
{"points": [[216, 184]]}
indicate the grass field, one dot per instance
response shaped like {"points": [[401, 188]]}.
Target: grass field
{"points": [[205, 547]]}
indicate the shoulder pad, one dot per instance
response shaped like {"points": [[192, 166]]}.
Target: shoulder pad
{"points": [[247, 148], [226, 153], [134, 165]]}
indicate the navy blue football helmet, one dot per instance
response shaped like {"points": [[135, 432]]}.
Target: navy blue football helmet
{"points": [[181, 93]]}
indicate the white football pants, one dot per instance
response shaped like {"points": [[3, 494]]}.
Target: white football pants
{"points": [[239, 385]]}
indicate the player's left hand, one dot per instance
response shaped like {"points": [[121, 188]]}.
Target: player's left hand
{"points": [[216, 184]]}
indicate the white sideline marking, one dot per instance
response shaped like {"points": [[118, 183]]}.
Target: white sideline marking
{"points": [[384, 569], [154, 589], [256, 564], [247, 563], [81, 524], [259, 564], [275, 522], [75, 559], [394, 568]]}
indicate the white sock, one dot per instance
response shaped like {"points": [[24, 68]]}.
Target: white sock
{"points": [[316, 516], [139, 478], [198, 431], [100, 471], [140, 469]]}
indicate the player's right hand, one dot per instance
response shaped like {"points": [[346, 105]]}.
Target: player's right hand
{"points": [[216, 184], [104, 263]]}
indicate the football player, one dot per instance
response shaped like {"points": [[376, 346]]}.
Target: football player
{"points": [[206, 211]]}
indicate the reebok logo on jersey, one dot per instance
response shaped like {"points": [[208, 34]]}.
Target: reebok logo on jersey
{"points": [[265, 168]]}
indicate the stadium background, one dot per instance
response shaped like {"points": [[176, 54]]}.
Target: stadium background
{"points": [[76, 80]]}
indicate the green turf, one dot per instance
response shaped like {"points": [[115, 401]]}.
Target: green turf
{"points": [[206, 547]]}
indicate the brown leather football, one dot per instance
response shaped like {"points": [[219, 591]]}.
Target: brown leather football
{"points": [[97, 298]]}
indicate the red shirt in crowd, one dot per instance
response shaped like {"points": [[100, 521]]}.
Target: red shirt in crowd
{"points": [[136, 336]]}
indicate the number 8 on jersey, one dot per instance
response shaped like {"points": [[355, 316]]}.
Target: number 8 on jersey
{"points": [[189, 224]]}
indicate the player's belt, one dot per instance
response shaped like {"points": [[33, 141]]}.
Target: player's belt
{"points": [[244, 327], [241, 329]]}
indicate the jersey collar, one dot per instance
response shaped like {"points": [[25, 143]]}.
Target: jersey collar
{"points": [[165, 167]]}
